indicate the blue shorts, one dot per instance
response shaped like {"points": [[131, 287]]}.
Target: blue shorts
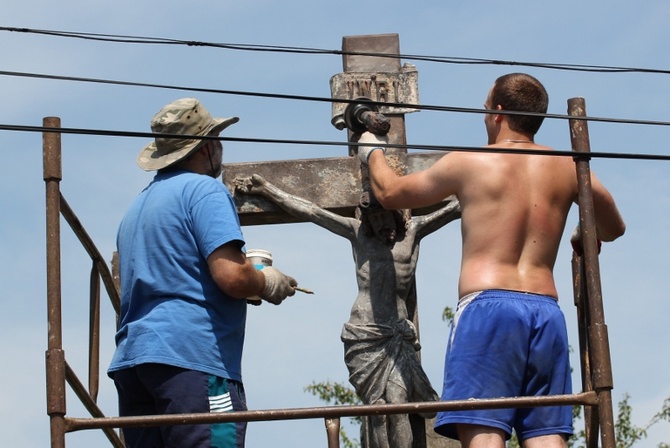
{"points": [[507, 344], [157, 389]]}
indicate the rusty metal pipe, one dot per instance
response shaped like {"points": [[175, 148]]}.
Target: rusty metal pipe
{"points": [[333, 432], [55, 358], [584, 398], [598, 339], [94, 333], [581, 303], [92, 251], [52, 178], [90, 404]]}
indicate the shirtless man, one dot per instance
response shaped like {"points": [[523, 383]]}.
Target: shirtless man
{"points": [[509, 336]]}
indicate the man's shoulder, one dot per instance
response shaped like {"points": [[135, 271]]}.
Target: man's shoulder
{"points": [[191, 180], [189, 188], [475, 157]]}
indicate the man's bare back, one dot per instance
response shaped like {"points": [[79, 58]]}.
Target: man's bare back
{"points": [[514, 208], [514, 212]]}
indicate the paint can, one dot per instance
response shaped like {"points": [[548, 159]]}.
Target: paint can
{"points": [[260, 259]]}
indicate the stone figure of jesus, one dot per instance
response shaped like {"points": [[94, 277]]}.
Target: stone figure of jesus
{"points": [[380, 340]]}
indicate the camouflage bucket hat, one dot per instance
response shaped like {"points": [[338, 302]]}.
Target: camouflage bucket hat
{"points": [[185, 116]]}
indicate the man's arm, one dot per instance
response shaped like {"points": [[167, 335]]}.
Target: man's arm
{"points": [[609, 222], [237, 277], [414, 190], [233, 273], [296, 206]]}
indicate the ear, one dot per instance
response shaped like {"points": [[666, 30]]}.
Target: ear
{"points": [[498, 117], [202, 151]]}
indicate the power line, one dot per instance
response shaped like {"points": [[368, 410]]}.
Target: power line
{"points": [[327, 100], [563, 153], [250, 47], [307, 50]]}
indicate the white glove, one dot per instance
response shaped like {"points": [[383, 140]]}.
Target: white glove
{"points": [[369, 142], [278, 286]]}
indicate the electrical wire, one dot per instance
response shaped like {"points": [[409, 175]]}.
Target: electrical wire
{"points": [[328, 100], [563, 153], [274, 48], [306, 50], [250, 47]]}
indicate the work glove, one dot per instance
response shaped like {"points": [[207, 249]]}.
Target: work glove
{"points": [[369, 142], [576, 241], [278, 286]]}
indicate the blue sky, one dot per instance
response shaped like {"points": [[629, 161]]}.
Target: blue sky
{"points": [[290, 346]]}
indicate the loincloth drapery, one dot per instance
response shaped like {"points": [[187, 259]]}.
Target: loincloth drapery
{"points": [[372, 352]]}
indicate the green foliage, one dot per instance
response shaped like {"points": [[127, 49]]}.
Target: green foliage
{"points": [[448, 315], [627, 434], [338, 394], [513, 442]]}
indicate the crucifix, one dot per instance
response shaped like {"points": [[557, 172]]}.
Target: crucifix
{"points": [[334, 193]]}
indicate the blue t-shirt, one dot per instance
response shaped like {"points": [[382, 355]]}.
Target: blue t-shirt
{"points": [[172, 311]]}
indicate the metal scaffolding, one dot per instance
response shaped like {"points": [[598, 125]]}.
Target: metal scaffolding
{"points": [[596, 369]]}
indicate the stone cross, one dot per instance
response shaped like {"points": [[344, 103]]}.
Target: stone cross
{"points": [[336, 185]]}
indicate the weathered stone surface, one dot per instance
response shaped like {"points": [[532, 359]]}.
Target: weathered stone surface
{"points": [[332, 183]]}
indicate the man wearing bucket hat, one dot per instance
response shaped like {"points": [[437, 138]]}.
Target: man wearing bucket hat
{"points": [[184, 280]]}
